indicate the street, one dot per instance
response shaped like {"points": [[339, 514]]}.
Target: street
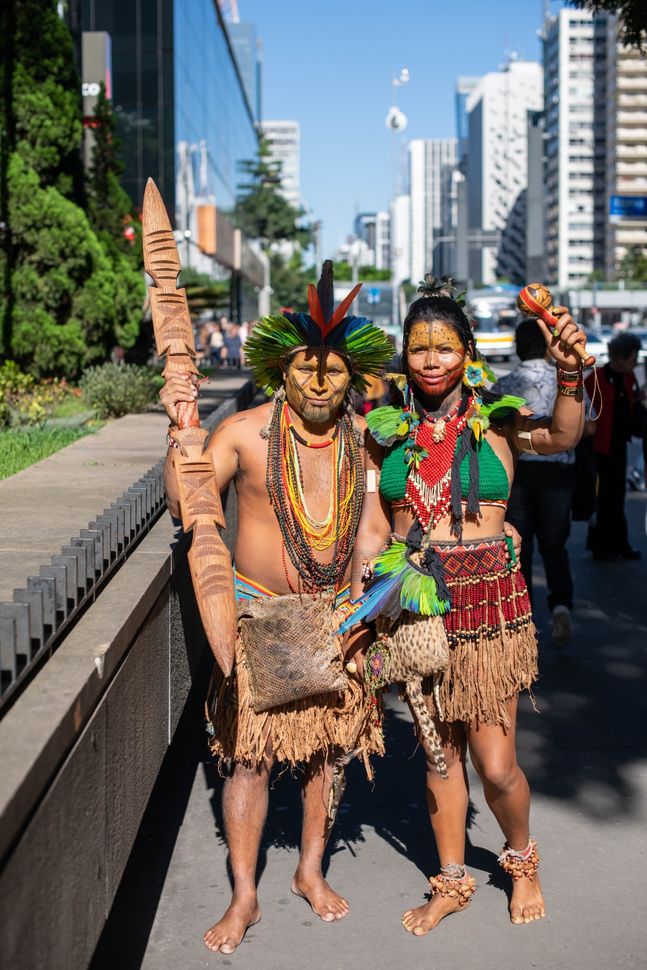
{"points": [[585, 755]]}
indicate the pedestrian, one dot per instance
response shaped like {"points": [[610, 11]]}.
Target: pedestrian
{"points": [[289, 459], [232, 347], [216, 342], [620, 414], [542, 491], [430, 545]]}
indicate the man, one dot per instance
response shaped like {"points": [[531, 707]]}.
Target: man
{"points": [[297, 466], [620, 413], [542, 491]]}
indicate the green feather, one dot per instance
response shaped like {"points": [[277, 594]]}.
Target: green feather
{"points": [[500, 410], [389, 424], [271, 339]]}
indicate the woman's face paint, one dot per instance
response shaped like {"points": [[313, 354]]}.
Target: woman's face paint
{"points": [[316, 382], [435, 357]]}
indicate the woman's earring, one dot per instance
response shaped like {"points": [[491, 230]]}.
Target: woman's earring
{"points": [[474, 374]]}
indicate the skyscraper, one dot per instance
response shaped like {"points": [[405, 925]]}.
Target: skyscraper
{"points": [[576, 63], [284, 143], [431, 162], [497, 167], [464, 87]]}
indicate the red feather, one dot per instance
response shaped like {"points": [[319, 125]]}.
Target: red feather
{"points": [[340, 312], [315, 307]]}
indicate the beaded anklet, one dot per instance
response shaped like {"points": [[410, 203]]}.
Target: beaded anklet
{"points": [[520, 863], [453, 881]]}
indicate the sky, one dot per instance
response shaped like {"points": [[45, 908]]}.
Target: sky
{"points": [[329, 66]]}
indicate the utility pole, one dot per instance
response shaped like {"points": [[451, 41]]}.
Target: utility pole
{"points": [[395, 121]]}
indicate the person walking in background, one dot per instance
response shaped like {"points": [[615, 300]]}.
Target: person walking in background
{"points": [[620, 415], [232, 347], [216, 343], [542, 490]]}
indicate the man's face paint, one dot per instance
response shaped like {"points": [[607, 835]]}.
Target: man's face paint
{"points": [[316, 382], [435, 357]]}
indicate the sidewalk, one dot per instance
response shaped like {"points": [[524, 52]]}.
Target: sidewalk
{"points": [[47, 503], [586, 759]]}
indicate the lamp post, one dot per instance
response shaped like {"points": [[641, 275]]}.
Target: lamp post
{"points": [[396, 122]]}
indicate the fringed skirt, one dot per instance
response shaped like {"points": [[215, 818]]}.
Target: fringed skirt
{"points": [[325, 724], [492, 639]]}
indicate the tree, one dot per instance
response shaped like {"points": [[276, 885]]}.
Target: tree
{"points": [[289, 280], [365, 274], [633, 266], [65, 301], [262, 212], [632, 14]]}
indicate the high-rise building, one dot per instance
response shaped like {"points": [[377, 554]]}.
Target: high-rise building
{"points": [[284, 143], [497, 167], [400, 250], [626, 151], [576, 65], [464, 88], [431, 162], [375, 230], [247, 48], [183, 118]]}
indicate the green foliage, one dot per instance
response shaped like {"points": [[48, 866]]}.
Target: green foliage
{"points": [[289, 281], [117, 389], [633, 266], [21, 447], [632, 14], [261, 211], [68, 294], [344, 271], [205, 293]]}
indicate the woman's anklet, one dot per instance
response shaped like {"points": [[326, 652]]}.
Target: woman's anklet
{"points": [[453, 881]]}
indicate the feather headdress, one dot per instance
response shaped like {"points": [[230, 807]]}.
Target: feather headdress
{"points": [[274, 338]]}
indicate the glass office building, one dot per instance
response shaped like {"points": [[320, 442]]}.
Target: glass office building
{"points": [[183, 116]]}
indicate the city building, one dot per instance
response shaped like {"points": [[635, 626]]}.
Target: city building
{"points": [[430, 164], [284, 142], [464, 88], [247, 47], [576, 68], [400, 250], [374, 228], [626, 152], [497, 169], [183, 118]]}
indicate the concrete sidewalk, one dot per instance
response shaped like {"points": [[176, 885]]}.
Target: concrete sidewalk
{"points": [[586, 759], [44, 505]]}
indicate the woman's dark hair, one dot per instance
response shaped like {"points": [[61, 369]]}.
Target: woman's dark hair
{"points": [[445, 309]]}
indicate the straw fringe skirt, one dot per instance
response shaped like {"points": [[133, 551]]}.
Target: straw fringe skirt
{"points": [[292, 733], [492, 639]]}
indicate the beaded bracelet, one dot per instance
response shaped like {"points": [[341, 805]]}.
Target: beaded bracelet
{"points": [[170, 441], [569, 383]]}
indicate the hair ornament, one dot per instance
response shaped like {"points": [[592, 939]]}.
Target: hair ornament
{"points": [[446, 286]]}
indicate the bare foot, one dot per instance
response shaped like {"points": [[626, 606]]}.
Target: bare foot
{"points": [[426, 917], [227, 934], [527, 902], [324, 901]]}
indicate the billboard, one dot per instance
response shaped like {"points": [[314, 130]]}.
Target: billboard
{"points": [[628, 207]]}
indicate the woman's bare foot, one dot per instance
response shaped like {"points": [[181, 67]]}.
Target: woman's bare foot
{"points": [[227, 934], [527, 902], [426, 917], [324, 901]]}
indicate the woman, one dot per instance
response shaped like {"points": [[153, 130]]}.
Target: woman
{"points": [[443, 465]]}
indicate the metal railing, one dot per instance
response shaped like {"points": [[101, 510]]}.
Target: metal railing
{"points": [[32, 624]]}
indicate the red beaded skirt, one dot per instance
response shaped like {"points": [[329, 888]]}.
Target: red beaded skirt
{"points": [[492, 639]]}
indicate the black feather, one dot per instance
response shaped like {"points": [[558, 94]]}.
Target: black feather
{"points": [[325, 290]]}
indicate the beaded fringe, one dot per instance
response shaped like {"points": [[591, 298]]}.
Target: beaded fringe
{"points": [[493, 660], [293, 732]]}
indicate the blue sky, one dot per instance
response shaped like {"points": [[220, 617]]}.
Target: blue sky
{"points": [[329, 66]]}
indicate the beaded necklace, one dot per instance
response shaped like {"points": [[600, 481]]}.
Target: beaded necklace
{"points": [[429, 481], [302, 533]]}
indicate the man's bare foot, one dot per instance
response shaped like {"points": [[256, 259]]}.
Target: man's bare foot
{"points": [[227, 934], [527, 902], [324, 901], [426, 917]]}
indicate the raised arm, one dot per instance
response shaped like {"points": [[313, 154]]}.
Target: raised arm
{"points": [[563, 429]]}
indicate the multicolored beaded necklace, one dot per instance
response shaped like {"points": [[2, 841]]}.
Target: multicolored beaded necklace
{"points": [[302, 533], [429, 481]]}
